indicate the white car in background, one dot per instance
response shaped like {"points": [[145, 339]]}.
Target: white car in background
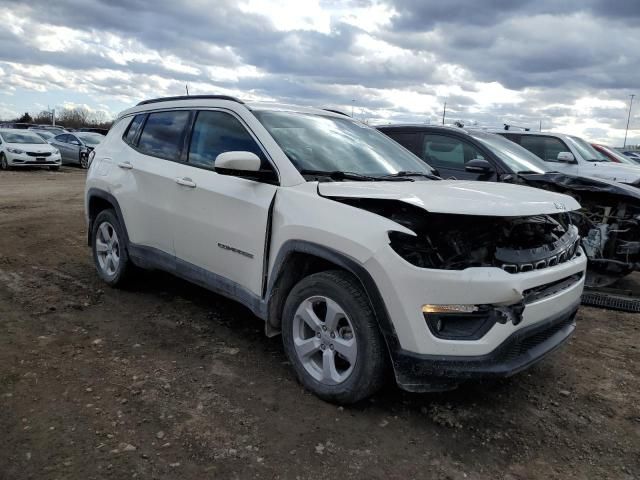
{"points": [[573, 155], [23, 148]]}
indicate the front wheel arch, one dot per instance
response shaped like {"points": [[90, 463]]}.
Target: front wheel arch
{"points": [[297, 259]]}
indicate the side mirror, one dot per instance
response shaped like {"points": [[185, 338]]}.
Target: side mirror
{"points": [[566, 157], [236, 163], [478, 165]]}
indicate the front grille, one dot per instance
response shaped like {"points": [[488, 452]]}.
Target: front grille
{"points": [[43, 154], [565, 249], [525, 344]]}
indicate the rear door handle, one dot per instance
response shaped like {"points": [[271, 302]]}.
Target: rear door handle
{"points": [[186, 182], [125, 165]]}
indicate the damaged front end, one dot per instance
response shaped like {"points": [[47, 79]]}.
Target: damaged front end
{"points": [[609, 223], [455, 242]]}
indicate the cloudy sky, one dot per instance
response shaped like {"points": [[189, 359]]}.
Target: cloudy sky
{"points": [[571, 64]]}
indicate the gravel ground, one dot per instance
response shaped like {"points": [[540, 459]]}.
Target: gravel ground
{"points": [[166, 380]]}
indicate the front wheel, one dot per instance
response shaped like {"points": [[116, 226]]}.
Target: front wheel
{"points": [[109, 250], [84, 161], [331, 338], [4, 165]]}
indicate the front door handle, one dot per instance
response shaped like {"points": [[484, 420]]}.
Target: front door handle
{"points": [[186, 182], [125, 165]]}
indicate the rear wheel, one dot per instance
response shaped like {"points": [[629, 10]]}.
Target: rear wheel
{"points": [[109, 250], [331, 338]]}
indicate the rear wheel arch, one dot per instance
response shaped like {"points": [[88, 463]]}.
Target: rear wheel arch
{"points": [[100, 200]]}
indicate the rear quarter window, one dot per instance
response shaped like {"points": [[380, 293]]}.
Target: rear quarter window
{"points": [[133, 129]]}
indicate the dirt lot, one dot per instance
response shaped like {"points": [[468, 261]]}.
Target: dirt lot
{"points": [[166, 380]]}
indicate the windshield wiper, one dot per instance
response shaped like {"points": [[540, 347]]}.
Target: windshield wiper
{"points": [[529, 172], [340, 175], [407, 174]]}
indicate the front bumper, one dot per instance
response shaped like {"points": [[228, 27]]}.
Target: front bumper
{"points": [[525, 347], [24, 160], [405, 288]]}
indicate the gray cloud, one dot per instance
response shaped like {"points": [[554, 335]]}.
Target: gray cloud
{"points": [[554, 51]]}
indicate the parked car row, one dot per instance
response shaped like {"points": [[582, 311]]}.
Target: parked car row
{"points": [[350, 246], [72, 147]]}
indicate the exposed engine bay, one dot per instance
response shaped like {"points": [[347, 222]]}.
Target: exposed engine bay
{"points": [[609, 223], [456, 242]]}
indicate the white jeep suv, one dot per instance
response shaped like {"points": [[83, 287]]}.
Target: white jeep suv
{"points": [[338, 238]]}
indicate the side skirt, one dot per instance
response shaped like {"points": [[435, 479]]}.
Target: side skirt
{"points": [[149, 257]]}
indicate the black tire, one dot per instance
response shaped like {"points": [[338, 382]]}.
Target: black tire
{"points": [[54, 169], [84, 161], [369, 370], [4, 165], [124, 268]]}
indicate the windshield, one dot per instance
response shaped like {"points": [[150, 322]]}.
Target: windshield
{"points": [[45, 135], [90, 138], [324, 143], [26, 137], [586, 151], [617, 155], [517, 158]]}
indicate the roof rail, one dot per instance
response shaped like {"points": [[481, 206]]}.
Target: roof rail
{"points": [[336, 111], [190, 97], [509, 127]]}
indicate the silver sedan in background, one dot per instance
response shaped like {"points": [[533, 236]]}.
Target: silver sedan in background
{"points": [[75, 147]]}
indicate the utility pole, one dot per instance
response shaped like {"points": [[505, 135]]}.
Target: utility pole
{"points": [[628, 118], [353, 102], [540, 124], [186, 87], [444, 112]]}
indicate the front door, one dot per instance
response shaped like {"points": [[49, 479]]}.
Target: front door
{"points": [[223, 224]]}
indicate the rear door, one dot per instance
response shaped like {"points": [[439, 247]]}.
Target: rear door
{"points": [[224, 219], [148, 172], [448, 154]]}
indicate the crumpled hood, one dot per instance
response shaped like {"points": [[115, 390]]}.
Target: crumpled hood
{"points": [[458, 197], [584, 184]]}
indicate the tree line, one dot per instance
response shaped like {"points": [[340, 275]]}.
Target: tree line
{"points": [[77, 117]]}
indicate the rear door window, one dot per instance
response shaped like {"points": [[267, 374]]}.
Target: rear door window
{"points": [[163, 134], [412, 141]]}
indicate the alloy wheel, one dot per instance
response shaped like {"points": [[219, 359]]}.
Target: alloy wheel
{"points": [[107, 249], [324, 340]]}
